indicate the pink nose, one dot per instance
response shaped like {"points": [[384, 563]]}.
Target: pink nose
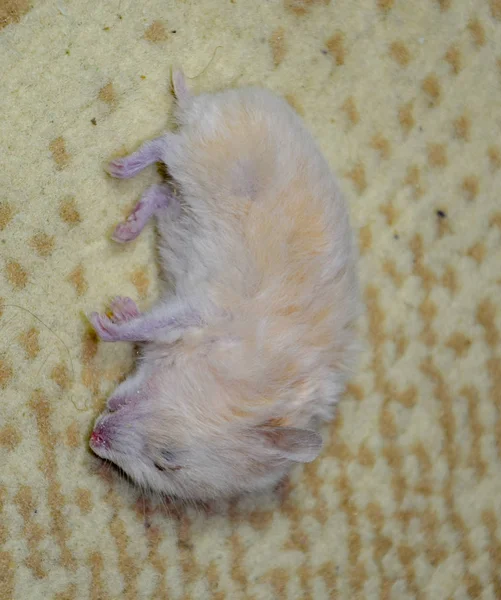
{"points": [[97, 439]]}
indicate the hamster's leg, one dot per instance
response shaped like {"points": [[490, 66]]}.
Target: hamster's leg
{"points": [[150, 152], [156, 197], [158, 325]]}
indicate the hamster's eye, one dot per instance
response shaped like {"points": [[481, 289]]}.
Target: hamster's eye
{"points": [[170, 462], [167, 467], [168, 456]]}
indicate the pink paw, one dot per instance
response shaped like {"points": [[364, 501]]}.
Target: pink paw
{"points": [[118, 168], [132, 227], [124, 168], [126, 232], [104, 326], [124, 309]]}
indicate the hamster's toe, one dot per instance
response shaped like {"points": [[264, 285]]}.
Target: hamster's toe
{"points": [[124, 309], [126, 232], [104, 327]]}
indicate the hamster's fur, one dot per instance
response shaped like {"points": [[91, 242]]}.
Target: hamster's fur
{"points": [[251, 350]]}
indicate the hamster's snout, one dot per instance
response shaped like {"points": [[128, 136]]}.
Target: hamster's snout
{"points": [[97, 439], [100, 438], [115, 435]]}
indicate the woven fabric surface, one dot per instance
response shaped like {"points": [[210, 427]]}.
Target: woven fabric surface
{"points": [[404, 98]]}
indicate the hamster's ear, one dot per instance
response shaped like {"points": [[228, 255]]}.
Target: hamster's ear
{"points": [[293, 443]]}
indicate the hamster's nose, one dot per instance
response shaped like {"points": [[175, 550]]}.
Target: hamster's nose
{"points": [[97, 439]]}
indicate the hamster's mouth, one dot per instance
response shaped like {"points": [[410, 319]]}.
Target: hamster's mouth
{"points": [[109, 467], [101, 453]]}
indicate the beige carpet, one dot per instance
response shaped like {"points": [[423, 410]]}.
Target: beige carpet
{"points": [[404, 96]]}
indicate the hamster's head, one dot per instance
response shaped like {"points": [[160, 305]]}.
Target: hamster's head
{"points": [[174, 428]]}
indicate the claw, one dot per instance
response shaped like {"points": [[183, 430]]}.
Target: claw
{"points": [[116, 168], [124, 309], [124, 168], [104, 327]]}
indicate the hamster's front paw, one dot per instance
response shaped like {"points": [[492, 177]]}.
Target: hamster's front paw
{"points": [[105, 328], [121, 168], [123, 309]]}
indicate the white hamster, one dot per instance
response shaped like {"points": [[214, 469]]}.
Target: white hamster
{"points": [[251, 350]]}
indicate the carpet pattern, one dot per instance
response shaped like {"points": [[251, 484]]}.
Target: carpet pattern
{"points": [[404, 97]]}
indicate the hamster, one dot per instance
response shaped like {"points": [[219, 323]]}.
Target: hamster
{"points": [[248, 355]]}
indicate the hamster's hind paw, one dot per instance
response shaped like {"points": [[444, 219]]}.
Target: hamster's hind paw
{"points": [[126, 231]]}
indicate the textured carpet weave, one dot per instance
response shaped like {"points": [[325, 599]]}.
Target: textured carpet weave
{"points": [[404, 97]]}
